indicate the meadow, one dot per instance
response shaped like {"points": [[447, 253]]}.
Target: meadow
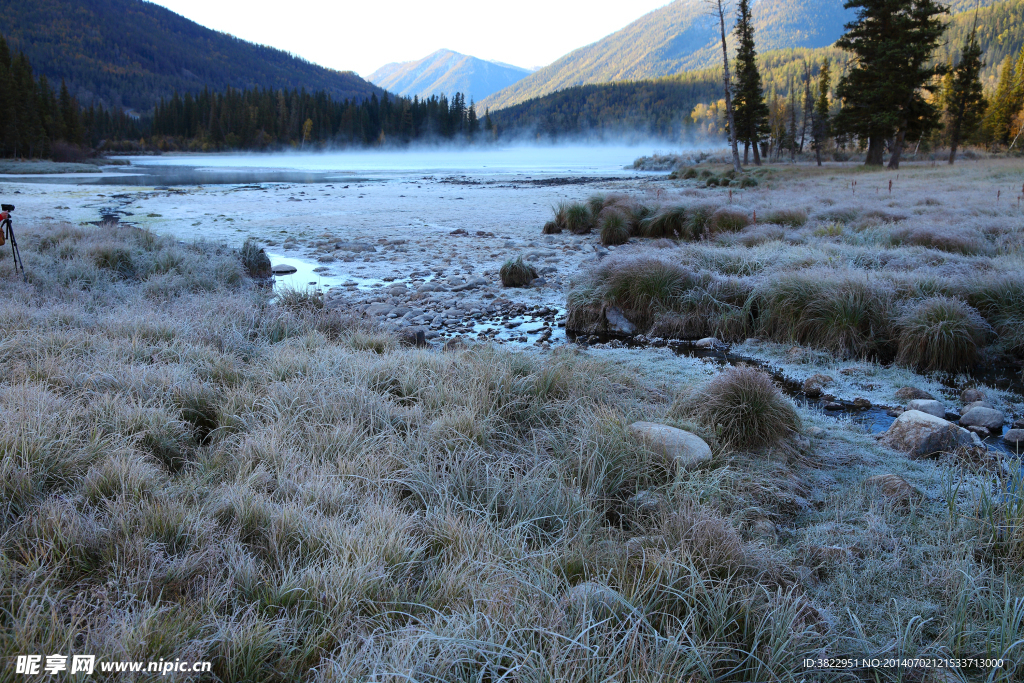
{"points": [[196, 467]]}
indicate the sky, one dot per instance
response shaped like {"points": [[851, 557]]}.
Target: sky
{"points": [[363, 36]]}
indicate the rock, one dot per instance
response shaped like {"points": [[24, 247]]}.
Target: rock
{"points": [[972, 395], [354, 246], [379, 309], [645, 503], [920, 435], [815, 431], [685, 450], [617, 322], [1019, 424], [597, 601], [894, 412], [981, 432], [988, 418], [397, 290], [832, 405], [814, 384], [1014, 436], [930, 406], [283, 269], [861, 403], [413, 336], [454, 344], [979, 404], [913, 393], [894, 487], [708, 343]]}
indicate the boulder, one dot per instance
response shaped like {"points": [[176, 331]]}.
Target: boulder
{"points": [[814, 384], [283, 269], [920, 435], [413, 336], [929, 406], [978, 404], [597, 601], [893, 487], [971, 395], [912, 393], [379, 309], [617, 322], [988, 418], [861, 403], [1014, 436], [680, 447]]}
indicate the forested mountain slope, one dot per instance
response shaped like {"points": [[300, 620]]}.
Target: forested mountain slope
{"points": [[131, 53], [660, 106], [447, 72], [682, 36]]}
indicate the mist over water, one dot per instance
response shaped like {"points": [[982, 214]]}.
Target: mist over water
{"points": [[579, 159]]}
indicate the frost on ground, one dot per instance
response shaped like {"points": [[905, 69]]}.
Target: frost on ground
{"points": [[194, 469]]}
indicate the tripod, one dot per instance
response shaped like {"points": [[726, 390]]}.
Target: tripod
{"points": [[8, 233]]}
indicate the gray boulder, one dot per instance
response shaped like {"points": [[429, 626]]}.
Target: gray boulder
{"points": [[911, 393], [685, 450], [1014, 436], [617, 322], [920, 434], [971, 395], [283, 269], [988, 418], [928, 406], [597, 601]]}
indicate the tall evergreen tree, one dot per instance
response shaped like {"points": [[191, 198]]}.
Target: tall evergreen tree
{"points": [[1008, 99], [892, 41], [821, 123], [966, 97], [751, 112]]}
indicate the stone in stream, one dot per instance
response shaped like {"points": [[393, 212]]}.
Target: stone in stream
{"points": [[679, 447], [617, 322], [283, 269], [912, 393], [929, 406], [920, 435], [971, 396], [861, 403], [987, 418], [709, 343], [1014, 436], [814, 384]]}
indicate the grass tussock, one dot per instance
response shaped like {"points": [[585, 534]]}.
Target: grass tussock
{"points": [[517, 273], [744, 408], [941, 333], [254, 259]]}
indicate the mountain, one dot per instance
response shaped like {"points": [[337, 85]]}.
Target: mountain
{"points": [[447, 72], [130, 53], [682, 36], [662, 107]]}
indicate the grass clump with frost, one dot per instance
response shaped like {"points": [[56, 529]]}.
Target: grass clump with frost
{"points": [[517, 273], [941, 333]]}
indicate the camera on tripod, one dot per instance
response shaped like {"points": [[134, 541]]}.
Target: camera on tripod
{"points": [[7, 233]]}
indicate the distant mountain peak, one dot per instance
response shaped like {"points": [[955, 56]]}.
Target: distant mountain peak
{"points": [[446, 71]]}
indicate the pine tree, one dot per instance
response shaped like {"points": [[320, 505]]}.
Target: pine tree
{"points": [[751, 112], [966, 97], [821, 124], [893, 41], [1008, 99]]}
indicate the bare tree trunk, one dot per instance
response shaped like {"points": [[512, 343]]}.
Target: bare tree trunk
{"points": [[757, 156], [746, 153], [718, 7], [897, 147]]}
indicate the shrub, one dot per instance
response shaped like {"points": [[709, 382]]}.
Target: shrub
{"points": [[748, 181], [941, 333], [713, 181], [254, 259], [843, 215], [595, 204], [614, 227], [745, 408], [728, 220], [944, 238], [726, 182], [705, 174], [551, 228], [791, 217], [643, 286], [517, 273]]}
